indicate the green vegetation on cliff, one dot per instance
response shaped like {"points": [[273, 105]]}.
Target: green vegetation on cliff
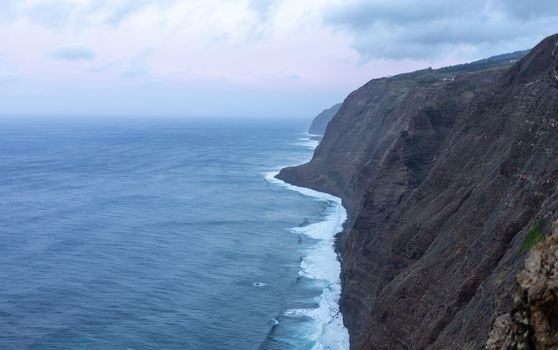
{"points": [[534, 236]]}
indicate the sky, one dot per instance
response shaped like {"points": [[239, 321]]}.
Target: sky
{"points": [[238, 58]]}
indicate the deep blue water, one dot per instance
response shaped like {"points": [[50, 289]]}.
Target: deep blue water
{"points": [[152, 235]]}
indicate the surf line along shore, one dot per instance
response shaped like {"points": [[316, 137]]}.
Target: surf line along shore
{"points": [[322, 265]]}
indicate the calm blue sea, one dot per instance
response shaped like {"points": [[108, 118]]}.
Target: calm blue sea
{"points": [[163, 235]]}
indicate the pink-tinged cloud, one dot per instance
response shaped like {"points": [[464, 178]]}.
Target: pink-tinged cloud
{"points": [[234, 57]]}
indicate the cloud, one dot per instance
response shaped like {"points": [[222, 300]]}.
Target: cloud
{"points": [[101, 68], [117, 12], [76, 13], [261, 6], [73, 53], [138, 66], [433, 28], [529, 9], [51, 14], [7, 8], [321, 47], [8, 77]]}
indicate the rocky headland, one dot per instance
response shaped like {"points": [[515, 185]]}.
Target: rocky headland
{"points": [[319, 124], [449, 177]]}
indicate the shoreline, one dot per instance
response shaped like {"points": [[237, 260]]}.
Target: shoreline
{"points": [[322, 264]]}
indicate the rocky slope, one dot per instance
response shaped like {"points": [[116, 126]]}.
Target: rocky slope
{"points": [[444, 173], [319, 124]]}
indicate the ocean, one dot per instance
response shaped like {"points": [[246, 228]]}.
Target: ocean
{"points": [[146, 234]]}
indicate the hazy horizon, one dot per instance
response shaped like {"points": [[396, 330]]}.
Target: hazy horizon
{"points": [[237, 58]]}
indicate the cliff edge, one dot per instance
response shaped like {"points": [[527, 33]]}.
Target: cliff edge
{"points": [[319, 124], [444, 174]]}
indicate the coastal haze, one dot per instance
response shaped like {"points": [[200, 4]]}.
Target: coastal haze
{"points": [[239, 58], [278, 174]]}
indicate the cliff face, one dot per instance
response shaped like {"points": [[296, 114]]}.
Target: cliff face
{"points": [[443, 176], [319, 124]]}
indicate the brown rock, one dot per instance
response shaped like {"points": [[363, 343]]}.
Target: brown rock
{"points": [[534, 321], [500, 337], [538, 283]]}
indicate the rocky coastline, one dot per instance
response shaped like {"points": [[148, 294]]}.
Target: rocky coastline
{"points": [[445, 175]]}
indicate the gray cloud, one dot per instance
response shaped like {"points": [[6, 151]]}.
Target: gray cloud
{"points": [[60, 13], [526, 9], [430, 28], [73, 53]]}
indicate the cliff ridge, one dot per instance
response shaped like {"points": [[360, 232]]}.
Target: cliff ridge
{"points": [[444, 173]]}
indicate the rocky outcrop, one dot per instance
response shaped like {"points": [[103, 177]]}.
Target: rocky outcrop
{"points": [[444, 173], [500, 336], [319, 124], [533, 323]]}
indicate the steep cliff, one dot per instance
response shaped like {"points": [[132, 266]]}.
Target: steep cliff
{"points": [[444, 173], [319, 124]]}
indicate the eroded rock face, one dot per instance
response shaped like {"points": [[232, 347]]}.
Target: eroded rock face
{"points": [[534, 321], [443, 179], [538, 284], [555, 56]]}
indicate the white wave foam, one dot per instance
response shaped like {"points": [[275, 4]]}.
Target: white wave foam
{"points": [[321, 264], [309, 143]]}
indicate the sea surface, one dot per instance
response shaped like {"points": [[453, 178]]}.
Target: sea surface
{"points": [[163, 235]]}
